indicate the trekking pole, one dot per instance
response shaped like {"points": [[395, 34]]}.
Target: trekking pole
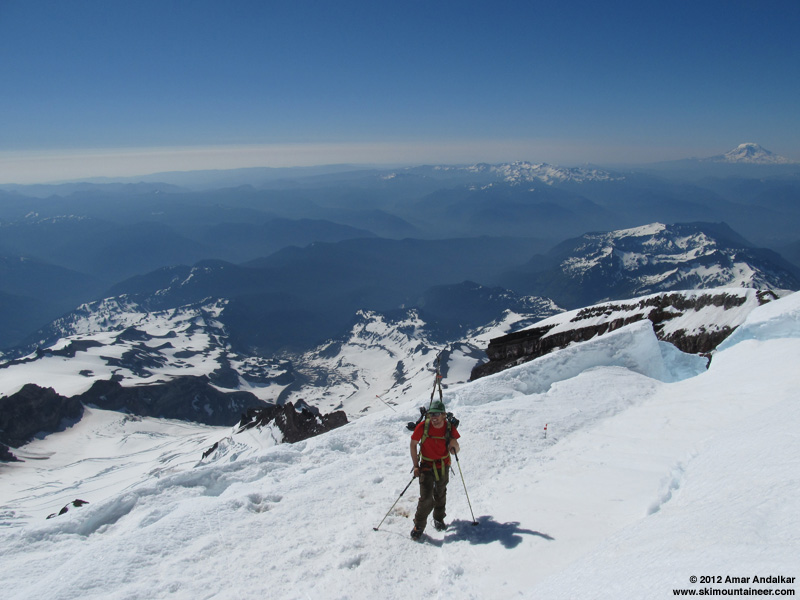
{"points": [[458, 462], [395, 502], [385, 402]]}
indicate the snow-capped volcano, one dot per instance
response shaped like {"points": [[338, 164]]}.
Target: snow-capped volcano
{"points": [[750, 153]]}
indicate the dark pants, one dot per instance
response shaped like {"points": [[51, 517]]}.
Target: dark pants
{"points": [[432, 497]]}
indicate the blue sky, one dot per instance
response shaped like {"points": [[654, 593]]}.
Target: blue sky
{"points": [[116, 87]]}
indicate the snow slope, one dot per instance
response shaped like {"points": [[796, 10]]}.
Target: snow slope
{"points": [[653, 470], [166, 344], [382, 361], [104, 454]]}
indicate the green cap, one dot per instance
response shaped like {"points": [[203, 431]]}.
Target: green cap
{"points": [[437, 407]]}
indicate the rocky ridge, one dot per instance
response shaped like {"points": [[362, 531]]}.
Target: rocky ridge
{"points": [[695, 322], [649, 259]]}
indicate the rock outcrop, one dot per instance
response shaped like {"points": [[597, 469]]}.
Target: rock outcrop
{"points": [[526, 345], [6, 455], [34, 411], [184, 398], [296, 424], [77, 503]]}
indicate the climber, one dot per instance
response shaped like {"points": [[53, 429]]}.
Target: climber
{"points": [[432, 442]]}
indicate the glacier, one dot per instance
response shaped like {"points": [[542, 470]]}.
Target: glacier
{"points": [[653, 469]]}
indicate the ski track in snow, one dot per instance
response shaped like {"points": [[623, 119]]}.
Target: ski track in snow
{"points": [[653, 470]]}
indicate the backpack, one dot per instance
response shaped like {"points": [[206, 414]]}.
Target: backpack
{"points": [[451, 421], [423, 413]]}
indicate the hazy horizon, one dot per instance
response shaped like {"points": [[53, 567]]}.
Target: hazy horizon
{"points": [[116, 163], [95, 89]]}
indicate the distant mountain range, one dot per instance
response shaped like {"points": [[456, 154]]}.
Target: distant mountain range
{"points": [[653, 258], [216, 325], [518, 172], [300, 297], [307, 246]]}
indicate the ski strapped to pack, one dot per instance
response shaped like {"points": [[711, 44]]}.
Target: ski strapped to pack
{"points": [[437, 385], [437, 380]]}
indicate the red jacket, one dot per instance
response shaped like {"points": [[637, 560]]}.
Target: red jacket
{"points": [[434, 448]]}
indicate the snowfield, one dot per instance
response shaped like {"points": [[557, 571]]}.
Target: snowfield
{"points": [[380, 362], [653, 470]]}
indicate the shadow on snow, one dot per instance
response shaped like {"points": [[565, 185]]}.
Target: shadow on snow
{"points": [[488, 531]]}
